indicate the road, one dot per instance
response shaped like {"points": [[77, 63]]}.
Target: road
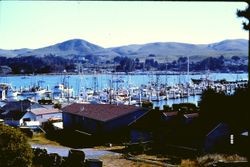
{"points": [[63, 151]]}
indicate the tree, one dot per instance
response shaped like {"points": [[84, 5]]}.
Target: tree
{"points": [[58, 105], [235, 58], [126, 64], [14, 148], [246, 14], [213, 108]]}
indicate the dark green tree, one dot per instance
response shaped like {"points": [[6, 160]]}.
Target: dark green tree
{"points": [[213, 108], [14, 148], [246, 14]]}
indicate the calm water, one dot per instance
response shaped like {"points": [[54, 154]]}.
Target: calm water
{"points": [[101, 81]]}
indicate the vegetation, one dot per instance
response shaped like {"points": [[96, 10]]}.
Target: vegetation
{"points": [[219, 157], [58, 105], [167, 108], [212, 160], [14, 148], [32, 64], [76, 158], [189, 163], [147, 104], [246, 25], [221, 64], [185, 108], [246, 14], [55, 64], [43, 159], [41, 139], [216, 107]]}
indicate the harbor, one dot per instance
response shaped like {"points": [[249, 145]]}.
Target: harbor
{"points": [[161, 89]]}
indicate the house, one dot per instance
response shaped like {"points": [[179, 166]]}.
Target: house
{"points": [[2, 103], [17, 113], [41, 114], [167, 116], [13, 111], [217, 137], [147, 127], [165, 127], [189, 118], [100, 118]]}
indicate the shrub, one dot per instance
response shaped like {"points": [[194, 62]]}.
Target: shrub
{"points": [[14, 148]]}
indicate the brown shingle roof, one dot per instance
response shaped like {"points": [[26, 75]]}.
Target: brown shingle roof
{"points": [[101, 112]]}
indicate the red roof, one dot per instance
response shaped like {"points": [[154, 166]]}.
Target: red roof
{"points": [[101, 112]]}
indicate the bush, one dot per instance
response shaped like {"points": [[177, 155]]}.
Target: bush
{"points": [[39, 156], [166, 108], [76, 158], [185, 108], [42, 158], [14, 148], [58, 105], [147, 104]]}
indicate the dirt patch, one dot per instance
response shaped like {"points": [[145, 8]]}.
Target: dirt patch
{"points": [[118, 161]]}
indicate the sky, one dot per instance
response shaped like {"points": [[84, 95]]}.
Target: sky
{"points": [[35, 24]]}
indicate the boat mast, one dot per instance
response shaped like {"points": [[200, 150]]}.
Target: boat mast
{"points": [[188, 77]]}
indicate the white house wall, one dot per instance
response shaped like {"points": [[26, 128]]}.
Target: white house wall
{"points": [[48, 116], [41, 118], [29, 115]]}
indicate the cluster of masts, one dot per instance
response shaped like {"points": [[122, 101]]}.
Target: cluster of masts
{"points": [[128, 95]]}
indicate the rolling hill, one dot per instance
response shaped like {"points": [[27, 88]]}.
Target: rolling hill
{"points": [[161, 51], [173, 50]]}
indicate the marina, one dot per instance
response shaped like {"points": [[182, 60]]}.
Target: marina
{"points": [[161, 89]]}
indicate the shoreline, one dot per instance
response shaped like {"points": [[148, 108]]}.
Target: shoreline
{"points": [[129, 73]]}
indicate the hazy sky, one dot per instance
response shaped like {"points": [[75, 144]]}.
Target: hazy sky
{"points": [[34, 24]]}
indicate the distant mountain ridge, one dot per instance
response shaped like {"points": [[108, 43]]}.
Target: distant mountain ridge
{"points": [[160, 50], [174, 50]]}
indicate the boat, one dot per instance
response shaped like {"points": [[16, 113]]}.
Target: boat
{"points": [[60, 91], [7, 92], [35, 90]]}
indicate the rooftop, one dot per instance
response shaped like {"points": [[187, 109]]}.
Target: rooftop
{"points": [[44, 111], [192, 115], [170, 114], [101, 112]]}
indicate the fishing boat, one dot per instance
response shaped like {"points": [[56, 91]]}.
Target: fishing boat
{"points": [[61, 91], [7, 92], [32, 91]]}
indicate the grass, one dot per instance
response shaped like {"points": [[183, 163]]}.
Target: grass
{"points": [[210, 159], [41, 139], [118, 161], [189, 163], [165, 159], [148, 158], [116, 148]]}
